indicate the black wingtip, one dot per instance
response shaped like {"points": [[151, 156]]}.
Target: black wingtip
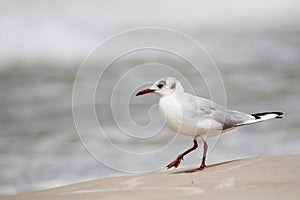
{"points": [[279, 115], [258, 115]]}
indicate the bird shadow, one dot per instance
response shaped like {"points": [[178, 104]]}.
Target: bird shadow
{"points": [[185, 171]]}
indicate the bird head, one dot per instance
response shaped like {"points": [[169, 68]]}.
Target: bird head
{"points": [[164, 86]]}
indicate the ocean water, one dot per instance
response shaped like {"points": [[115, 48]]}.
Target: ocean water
{"points": [[255, 46]]}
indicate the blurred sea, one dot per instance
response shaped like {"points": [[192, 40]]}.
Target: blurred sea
{"points": [[256, 46]]}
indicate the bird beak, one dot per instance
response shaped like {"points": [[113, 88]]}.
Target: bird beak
{"points": [[146, 91]]}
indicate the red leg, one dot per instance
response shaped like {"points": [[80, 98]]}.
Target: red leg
{"points": [[177, 161], [204, 156], [202, 166]]}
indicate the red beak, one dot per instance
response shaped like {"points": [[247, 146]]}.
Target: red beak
{"points": [[146, 91]]}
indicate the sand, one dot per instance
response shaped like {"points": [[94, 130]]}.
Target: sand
{"points": [[267, 177]]}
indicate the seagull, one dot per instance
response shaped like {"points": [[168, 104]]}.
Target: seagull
{"points": [[195, 116]]}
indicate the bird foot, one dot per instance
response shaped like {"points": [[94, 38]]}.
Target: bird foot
{"points": [[197, 169], [175, 163]]}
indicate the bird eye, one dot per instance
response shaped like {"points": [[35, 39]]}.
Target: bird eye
{"points": [[160, 86]]}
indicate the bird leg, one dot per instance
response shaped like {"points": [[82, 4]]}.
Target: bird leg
{"points": [[202, 166], [177, 161]]}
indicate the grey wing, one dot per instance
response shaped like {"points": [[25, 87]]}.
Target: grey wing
{"points": [[204, 109], [233, 118], [228, 118]]}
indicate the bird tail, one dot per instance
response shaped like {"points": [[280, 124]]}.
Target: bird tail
{"points": [[263, 116]]}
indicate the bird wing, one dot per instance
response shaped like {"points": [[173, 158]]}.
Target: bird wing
{"points": [[200, 109]]}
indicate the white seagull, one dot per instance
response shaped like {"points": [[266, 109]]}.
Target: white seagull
{"points": [[198, 117]]}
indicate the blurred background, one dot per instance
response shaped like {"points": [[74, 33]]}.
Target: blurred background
{"points": [[256, 45]]}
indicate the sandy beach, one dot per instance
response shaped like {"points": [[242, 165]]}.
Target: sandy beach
{"points": [[267, 177]]}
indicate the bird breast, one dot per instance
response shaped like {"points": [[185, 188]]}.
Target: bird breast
{"points": [[172, 111]]}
